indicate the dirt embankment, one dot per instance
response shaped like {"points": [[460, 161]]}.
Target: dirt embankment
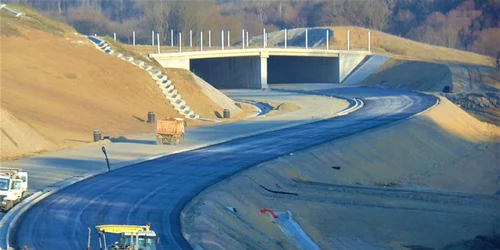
{"points": [[474, 87], [57, 84], [412, 184], [469, 78]]}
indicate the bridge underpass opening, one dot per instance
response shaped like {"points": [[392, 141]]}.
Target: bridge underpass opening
{"points": [[302, 69], [231, 72]]}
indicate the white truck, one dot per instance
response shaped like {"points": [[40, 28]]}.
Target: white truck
{"points": [[13, 186]]}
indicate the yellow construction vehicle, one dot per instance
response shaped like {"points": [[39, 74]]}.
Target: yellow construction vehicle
{"points": [[132, 237], [170, 131]]}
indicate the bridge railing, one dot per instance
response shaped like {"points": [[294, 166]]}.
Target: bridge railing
{"points": [[281, 39]]}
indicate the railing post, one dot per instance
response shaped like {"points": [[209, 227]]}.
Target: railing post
{"points": [[264, 38], [180, 41], [369, 41], [210, 39], [247, 39], [228, 39], [152, 38], [222, 39], [286, 38], [190, 38], [114, 36], [171, 38], [307, 42], [327, 39], [201, 40], [243, 39], [158, 42], [133, 38]]}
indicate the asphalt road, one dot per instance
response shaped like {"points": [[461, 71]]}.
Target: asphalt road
{"points": [[156, 191]]}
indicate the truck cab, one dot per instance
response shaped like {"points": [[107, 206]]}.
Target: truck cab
{"points": [[11, 192], [132, 237], [146, 240]]}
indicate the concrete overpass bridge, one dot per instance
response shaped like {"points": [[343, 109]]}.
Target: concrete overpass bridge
{"points": [[256, 67]]}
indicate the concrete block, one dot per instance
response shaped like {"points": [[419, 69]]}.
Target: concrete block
{"points": [[128, 58], [180, 102], [169, 93], [164, 83], [189, 113], [154, 72], [160, 77], [166, 88], [172, 92], [169, 87], [147, 67], [139, 63]]}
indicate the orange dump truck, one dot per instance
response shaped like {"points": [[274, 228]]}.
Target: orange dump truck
{"points": [[170, 131]]}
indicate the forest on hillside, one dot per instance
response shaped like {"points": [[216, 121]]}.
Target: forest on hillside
{"points": [[471, 25]]}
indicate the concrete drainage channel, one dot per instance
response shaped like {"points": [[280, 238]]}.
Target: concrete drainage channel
{"points": [[9, 220], [166, 85]]}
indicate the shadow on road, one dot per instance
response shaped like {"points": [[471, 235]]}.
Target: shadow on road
{"points": [[124, 139]]}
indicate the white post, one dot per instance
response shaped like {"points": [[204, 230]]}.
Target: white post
{"points": [[247, 39], [307, 45], [201, 40], [264, 38], [180, 41], [158, 42], [133, 38], [286, 38], [222, 39], [243, 39], [153, 38], [114, 36], [348, 41], [171, 38], [210, 39], [327, 40], [228, 39], [369, 41], [190, 38]]}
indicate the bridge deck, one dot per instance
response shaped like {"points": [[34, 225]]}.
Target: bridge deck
{"points": [[264, 52]]}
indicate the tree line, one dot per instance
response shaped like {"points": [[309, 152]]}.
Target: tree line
{"points": [[471, 25]]}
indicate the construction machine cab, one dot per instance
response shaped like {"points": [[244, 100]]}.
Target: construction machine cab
{"points": [[132, 237]]}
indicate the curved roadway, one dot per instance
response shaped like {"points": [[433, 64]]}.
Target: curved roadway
{"points": [[157, 191]]}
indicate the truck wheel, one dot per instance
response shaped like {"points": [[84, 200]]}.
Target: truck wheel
{"points": [[159, 141]]}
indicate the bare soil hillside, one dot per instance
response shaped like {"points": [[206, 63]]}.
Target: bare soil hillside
{"points": [[412, 185], [55, 82], [470, 80]]}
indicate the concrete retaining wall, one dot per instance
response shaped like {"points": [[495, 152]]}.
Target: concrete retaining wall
{"points": [[347, 63]]}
